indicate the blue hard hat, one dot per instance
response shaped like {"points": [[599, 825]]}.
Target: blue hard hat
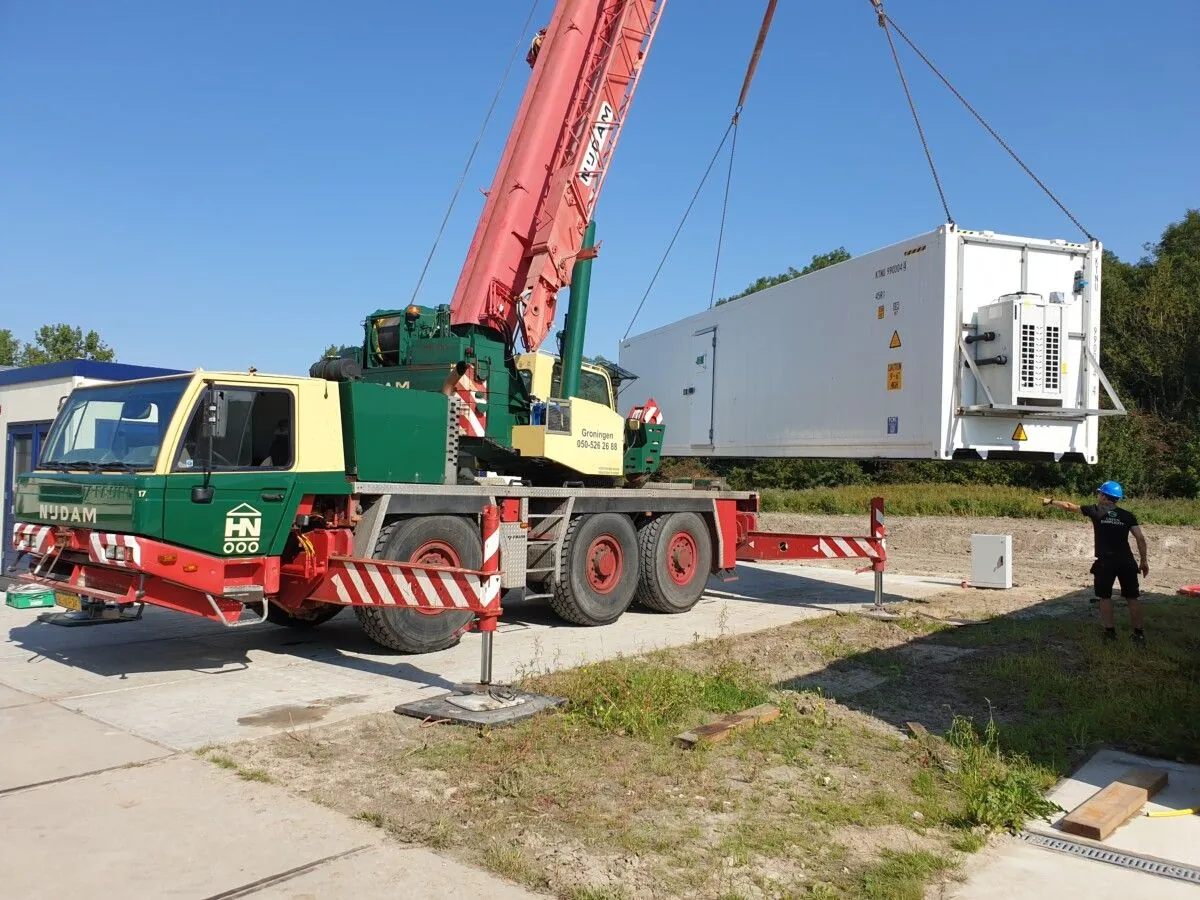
{"points": [[1112, 489]]}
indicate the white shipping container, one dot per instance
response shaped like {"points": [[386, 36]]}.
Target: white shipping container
{"points": [[954, 344]]}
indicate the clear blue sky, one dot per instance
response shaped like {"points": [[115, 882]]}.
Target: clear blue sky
{"points": [[226, 184]]}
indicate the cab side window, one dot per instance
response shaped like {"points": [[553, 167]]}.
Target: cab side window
{"points": [[253, 431]]}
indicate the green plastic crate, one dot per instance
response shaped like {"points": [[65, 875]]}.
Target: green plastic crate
{"points": [[29, 596]]}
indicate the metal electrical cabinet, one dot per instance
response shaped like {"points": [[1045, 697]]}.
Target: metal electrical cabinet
{"points": [[954, 344]]}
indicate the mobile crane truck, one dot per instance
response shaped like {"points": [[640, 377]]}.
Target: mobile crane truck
{"points": [[248, 498]]}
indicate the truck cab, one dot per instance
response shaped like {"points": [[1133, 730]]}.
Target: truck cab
{"points": [[206, 460]]}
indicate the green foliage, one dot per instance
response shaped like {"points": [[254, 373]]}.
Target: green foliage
{"points": [[53, 343], [902, 876], [648, 699], [820, 261], [338, 350], [1150, 350], [962, 500], [9, 348], [1000, 791]]}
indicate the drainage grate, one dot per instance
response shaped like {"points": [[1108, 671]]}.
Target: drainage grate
{"points": [[1189, 874]]}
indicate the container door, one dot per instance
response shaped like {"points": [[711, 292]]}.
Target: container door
{"points": [[700, 394]]}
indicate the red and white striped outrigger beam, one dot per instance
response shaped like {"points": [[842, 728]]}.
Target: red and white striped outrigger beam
{"points": [[382, 583], [765, 546]]}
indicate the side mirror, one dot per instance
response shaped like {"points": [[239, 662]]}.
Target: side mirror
{"points": [[202, 493]]}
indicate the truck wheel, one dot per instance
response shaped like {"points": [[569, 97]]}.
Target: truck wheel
{"points": [[598, 572], [307, 617], [436, 540], [676, 556]]}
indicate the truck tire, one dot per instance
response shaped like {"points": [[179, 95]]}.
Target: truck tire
{"points": [[304, 618], [598, 571], [676, 559], [440, 540]]}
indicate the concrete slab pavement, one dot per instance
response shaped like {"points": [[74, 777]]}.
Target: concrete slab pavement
{"points": [[1032, 873], [43, 742], [1176, 839], [250, 682], [180, 827]]}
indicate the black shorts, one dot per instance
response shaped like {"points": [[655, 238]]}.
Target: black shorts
{"points": [[1106, 571]]}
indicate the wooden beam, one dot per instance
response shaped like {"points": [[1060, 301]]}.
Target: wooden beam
{"points": [[717, 731], [1114, 805]]}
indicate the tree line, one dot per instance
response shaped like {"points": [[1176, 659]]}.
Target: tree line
{"points": [[1150, 351], [52, 343]]}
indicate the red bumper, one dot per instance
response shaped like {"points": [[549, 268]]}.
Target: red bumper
{"points": [[123, 568]]}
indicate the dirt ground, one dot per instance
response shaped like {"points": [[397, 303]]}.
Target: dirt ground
{"points": [[833, 800]]}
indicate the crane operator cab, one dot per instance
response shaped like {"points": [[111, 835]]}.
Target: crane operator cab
{"points": [[584, 433]]}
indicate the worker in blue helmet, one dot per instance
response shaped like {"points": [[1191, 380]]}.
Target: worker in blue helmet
{"points": [[1112, 527]]}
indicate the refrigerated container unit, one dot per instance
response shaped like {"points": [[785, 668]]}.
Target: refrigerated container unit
{"points": [[953, 344]]}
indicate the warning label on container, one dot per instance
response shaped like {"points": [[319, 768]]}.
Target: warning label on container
{"points": [[893, 424], [895, 340], [895, 376], [1019, 434], [881, 312]]}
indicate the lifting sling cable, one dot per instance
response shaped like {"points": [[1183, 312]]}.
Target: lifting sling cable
{"points": [[737, 113], [925, 59], [883, 23], [731, 129], [522, 42]]}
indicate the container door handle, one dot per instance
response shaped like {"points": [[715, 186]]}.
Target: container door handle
{"points": [[273, 498]]}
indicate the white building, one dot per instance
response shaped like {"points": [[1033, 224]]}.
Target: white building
{"points": [[29, 400]]}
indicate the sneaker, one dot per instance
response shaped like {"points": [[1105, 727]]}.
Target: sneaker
{"points": [[1110, 635], [1139, 637]]}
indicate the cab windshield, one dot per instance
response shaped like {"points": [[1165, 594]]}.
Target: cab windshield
{"points": [[113, 426]]}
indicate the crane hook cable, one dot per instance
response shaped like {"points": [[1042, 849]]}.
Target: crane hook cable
{"points": [[521, 42], [925, 59], [884, 19], [763, 29], [712, 294], [679, 228], [732, 129]]}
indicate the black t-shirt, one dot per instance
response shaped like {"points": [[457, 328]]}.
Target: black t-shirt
{"points": [[1111, 528]]}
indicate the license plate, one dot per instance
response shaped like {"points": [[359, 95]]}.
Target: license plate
{"points": [[68, 601]]}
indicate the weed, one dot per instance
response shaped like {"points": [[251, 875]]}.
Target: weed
{"points": [[969, 841], [596, 893], [650, 699], [222, 761], [512, 863], [255, 775], [902, 876], [372, 818], [998, 791]]}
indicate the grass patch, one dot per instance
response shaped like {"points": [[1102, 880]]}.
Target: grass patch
{"points": [[902, 876], [649, 699], [960, 500], [372, 818], [221, 761], [1066, 693], [998, 790], [255, 775]]}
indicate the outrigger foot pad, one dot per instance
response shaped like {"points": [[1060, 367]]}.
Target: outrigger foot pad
{"points": [[482, 705], [92, 614]]}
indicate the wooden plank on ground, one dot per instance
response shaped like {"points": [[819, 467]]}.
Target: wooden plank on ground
{"points": [[717, 731], [1114, 805]]}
